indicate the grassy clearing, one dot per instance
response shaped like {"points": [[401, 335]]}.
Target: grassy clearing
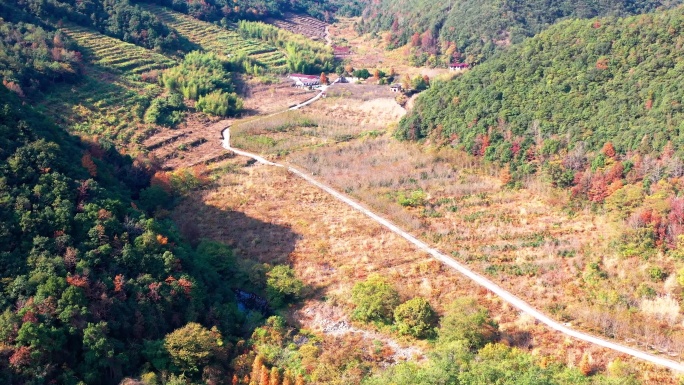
{"points": [[291, 131], [220, 40], [527, 240], [332, 120], [110, 109]]}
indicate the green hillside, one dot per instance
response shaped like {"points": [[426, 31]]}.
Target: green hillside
{"points": [[590, 81], [90, 284], [595, 105], [110, 98], [116, 18], [473, 30], [227, 11]]}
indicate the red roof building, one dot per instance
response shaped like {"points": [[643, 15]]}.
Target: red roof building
{"points": [[307, 77], [305, 81], [459, 66]]}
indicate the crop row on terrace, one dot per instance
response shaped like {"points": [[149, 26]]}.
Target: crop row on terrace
{"points": [[111, 53], [111, 109], [111, 100], [220, 40]]}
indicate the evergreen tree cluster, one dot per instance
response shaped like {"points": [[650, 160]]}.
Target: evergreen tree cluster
{"points": [[204, 77]]}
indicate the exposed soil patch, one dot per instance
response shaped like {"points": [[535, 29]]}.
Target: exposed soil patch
{"points": [[195, 141], [332, 321]]}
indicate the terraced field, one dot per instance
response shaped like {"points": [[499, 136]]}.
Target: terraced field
{"points": [[220, 40], [111, 100], [301, 24], [111, 53], [195, 142]]}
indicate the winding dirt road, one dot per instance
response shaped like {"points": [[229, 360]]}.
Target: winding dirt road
{"points": [[477, 278]]}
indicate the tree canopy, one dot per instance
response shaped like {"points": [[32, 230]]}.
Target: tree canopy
{"points": [[472, 30]]}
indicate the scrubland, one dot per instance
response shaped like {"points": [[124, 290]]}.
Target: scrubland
{"points": [[332, 247]]}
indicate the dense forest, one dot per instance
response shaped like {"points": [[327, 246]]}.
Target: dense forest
{"points": [[32, 57], [226, 11], [92, 286], [581, 81], [115, 18], [471, 31]]}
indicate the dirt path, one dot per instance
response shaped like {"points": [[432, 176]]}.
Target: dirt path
{"points": [[328, 40], [477, 278]]}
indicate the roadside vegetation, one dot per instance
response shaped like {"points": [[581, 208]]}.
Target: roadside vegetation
{"points": [[338, 256]]}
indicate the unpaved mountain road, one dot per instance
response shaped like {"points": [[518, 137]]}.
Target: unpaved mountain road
{"points": [[477, 278]]}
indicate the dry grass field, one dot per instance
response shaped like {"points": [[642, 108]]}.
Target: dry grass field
{"points": [[532, 241], [529, 240], [271, 216], [348, 112]]}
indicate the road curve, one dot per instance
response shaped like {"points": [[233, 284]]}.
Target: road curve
{"points": [[477, 278]]}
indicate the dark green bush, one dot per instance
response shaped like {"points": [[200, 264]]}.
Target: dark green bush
{"points": [[467, 321], [282, 285]]}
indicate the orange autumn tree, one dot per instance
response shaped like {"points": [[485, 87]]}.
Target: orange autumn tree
{"points": [[88, 164], [265, 377], [256, 368], [608, 150], [275, 376]]}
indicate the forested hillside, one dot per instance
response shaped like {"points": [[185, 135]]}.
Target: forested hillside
{"points": [[33, 57], [596, 105], [227, 11], [472, 30], [581, 81], [115, 18], [91, 285]]}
